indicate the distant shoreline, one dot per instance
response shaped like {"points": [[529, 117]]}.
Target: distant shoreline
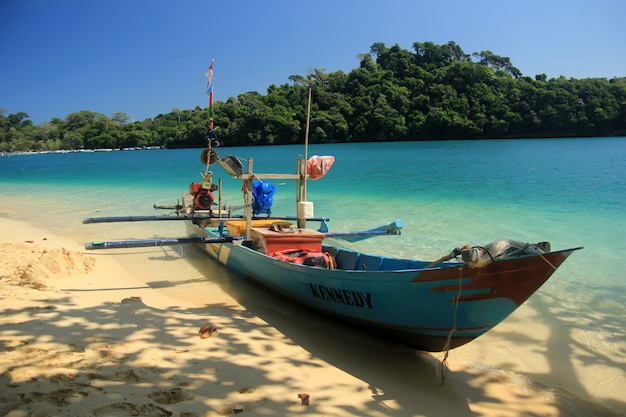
{"points": [[62, 151], [147, 148]]}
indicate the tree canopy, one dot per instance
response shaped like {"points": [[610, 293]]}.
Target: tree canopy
{"points": [[433, 92]]}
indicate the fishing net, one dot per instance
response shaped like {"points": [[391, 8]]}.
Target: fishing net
{"points": [[481, 256]]}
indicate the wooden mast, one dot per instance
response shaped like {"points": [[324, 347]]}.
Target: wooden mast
{"points": [[304, 208]]}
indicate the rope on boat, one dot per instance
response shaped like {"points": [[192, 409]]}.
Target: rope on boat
{"points": [[547, 261], [446, 347]]}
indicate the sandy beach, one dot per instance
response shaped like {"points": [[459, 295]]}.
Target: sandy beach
{"points": [[84, 335]]}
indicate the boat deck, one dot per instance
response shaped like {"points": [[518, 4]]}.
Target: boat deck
{"points": [[357, 261]]}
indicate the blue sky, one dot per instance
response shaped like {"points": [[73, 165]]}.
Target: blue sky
{"points": [[146, 57]]}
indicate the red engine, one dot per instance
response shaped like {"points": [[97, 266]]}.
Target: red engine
{"points": [[203, 197]]}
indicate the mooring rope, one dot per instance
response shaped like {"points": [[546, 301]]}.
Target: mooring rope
{"points": [[446, 347], [547, 261]]}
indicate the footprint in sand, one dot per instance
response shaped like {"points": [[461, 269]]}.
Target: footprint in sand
{"points": [[230, 410], [129, 376], [170, 396], [61, 397], [130, 409]]}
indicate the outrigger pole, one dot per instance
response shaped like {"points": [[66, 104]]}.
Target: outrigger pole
{"points": [[121, 219], [138, 243]]}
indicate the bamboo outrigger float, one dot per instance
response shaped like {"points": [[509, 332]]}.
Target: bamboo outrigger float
{"points": [[431, 305]]}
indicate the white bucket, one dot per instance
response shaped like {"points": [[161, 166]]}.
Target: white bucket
{"points": [[305, 209]]}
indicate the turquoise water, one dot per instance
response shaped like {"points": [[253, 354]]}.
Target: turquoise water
{"points": [[570, 192]]}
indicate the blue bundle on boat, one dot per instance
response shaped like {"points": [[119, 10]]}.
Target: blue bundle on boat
{"points": [[263, 193]]}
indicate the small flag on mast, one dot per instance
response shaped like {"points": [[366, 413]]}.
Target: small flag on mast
{"points": [[209, 85], [209, 74]]}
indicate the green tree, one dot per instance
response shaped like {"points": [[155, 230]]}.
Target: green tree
{"points": [[72, 140]]}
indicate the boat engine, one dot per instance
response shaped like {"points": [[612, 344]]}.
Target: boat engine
{"points": [[202, 196]]}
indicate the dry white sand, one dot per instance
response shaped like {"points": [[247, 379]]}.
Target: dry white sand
{"points": [[81, 335]]}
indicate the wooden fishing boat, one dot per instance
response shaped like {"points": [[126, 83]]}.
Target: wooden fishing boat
{"points": [[432, 305]]}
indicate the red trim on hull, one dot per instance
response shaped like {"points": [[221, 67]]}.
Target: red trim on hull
{"points": [[516, 278]]}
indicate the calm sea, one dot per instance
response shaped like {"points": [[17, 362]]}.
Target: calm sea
{"points": [[570, 192]]}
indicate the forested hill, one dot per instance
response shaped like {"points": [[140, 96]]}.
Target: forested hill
{"points": [[432, 92]]}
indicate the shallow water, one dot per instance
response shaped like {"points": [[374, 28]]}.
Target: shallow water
{"points": [[571, 192]]}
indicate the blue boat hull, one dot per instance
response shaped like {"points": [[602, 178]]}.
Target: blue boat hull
{"points": [[431, 309]]}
